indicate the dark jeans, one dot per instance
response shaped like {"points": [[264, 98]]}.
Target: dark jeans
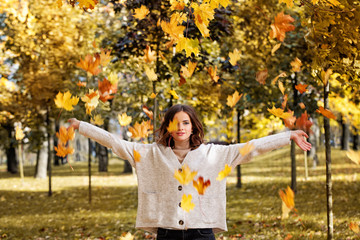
{"points": [[190, 234]]}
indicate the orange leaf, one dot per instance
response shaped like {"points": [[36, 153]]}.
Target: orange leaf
{"points": [[149, 55], [65, 134], [280, 113], [283, 104], [105, 89], [233, 99], [89, 65], [172, 28], [296, 65], [137, 156], [303, 122], [184, 175], [281, 87], [81, 84], [213, 73], [203, 14], [153, 95], [19, 134], [105, 57], [275, 48], [290, 121], [354, 227], [140, 130], [140, 13], [149, 113], [261, 76], [301, 87], [277, 77], [288, 203], [187, 72], [62, 150], [326, 113], [200, 185], [302, 105], [91, 100], [177, 5], [87, 4], [173, 126], [326, 75], [281, 26]]}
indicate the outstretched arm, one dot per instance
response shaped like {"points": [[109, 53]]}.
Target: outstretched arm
{"points": [[74, 123], [298, 137]]}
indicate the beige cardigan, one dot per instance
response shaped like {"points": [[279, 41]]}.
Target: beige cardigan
{"points": [[159, 193]]}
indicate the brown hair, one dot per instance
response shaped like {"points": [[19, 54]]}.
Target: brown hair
{"points": [[197, 136]]}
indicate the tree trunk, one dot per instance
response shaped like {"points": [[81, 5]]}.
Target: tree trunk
{"points": [[49, 152], [89, 167], [43, 159], [356, 138], [57, 159], [292, 152], [102, 152], [345, 135], [314, 140], [37, 162], [328, 166], [12, 165], [238, 168]]}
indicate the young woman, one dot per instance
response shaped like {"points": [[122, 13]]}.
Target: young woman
{"points": [[160, 194]]}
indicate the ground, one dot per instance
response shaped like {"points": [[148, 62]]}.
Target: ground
{"points": [[253, 211]]}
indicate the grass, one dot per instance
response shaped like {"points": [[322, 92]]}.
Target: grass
{"points": [[253, 212]]}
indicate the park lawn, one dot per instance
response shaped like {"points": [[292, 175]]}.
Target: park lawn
{"points": [[253, 211]]}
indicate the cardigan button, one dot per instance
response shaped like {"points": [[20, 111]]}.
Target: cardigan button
{"points": [[179, 188], [179, 204], [181, 222], [180, 169]]}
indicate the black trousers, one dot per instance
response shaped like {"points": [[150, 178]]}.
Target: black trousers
{"points": [[189, 234]]}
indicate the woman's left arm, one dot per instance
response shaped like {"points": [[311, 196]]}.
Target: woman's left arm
{"points": [[298, 136]]}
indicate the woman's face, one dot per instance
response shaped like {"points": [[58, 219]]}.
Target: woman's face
{"points": [[184, 127]]}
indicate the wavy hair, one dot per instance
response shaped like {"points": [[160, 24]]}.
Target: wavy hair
{"points": [[197, 136]]}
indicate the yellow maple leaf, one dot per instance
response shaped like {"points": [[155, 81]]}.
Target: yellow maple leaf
{"points": [[215, 3], [140, 131], [59, 3], [233, 99], [65, 134], [172, 28], [234, 57], [184, 175], [189, 45], [288, 203], [173, 93], [127, 236], [97, 120], [150, 73], [354, 227], [187, 72], [140, 13], [296, 65], [149, 55], [124, 119], [137, 156], [87, 4], [325, 76], [186, 203], [353, 156], [105, 57], [66, 101], [113, 78], [177, 5], [280, 113], [289, 3], [173, 126], [224, 173], [91, 100], [153, 95], [200, 185], [203, 14], [19, 134], [62, 150], [246, 149]]}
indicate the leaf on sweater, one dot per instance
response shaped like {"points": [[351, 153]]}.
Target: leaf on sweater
{"points": [[124, 119], [184, 175], [66, 101], [186, 203], [137, 156], [200, 185], [224, 173], [246, 149]]}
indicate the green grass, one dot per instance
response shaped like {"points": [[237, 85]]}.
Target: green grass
{"points": [[253, 212]]}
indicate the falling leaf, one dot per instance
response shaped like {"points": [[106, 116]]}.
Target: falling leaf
{"points": [[62, 150], [150, 73], [186, 203], [65, 134], [106, 88], [326, 113], [281, 26], [289, 3], [97, 120], [140, 130], [213, 74], [353, 156], [137, 156], [354, 227], [127, 236], [149, 113], [113, 78], [246, 149], [287, 198], [261, 76], [302, 105], [81, 84], [325, 76], [105, 57], [283, 74], [173, 126], [89, 65], [203, 14], [94, 44], [301, 87], [172, 28], [153, 95], [59, 3], [234, 57], [189, 45], [296, 65], [224, 173], [140, 13], [187, 72], [91, 100], [177, 5], [233, 99], [149, 55], [87, 4], [182, 80], [281, 87], [290, 121], [19, 134], [184, 175], [124, 119], [279, 112], [288, 237], [275, 48], [284, 102], [303, 122], [200, 185], [173, 93], [66, 101]]}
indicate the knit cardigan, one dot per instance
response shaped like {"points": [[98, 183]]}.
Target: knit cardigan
{"points": [[160, 194]]}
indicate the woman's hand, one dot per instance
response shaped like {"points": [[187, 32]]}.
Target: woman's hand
{"points": [[298, 137], [74, 123]]}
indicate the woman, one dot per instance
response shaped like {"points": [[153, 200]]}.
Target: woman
{"points": [[161, 195]]}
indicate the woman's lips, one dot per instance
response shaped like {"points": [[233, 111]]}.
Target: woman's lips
{"points": [[180, 133]]}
